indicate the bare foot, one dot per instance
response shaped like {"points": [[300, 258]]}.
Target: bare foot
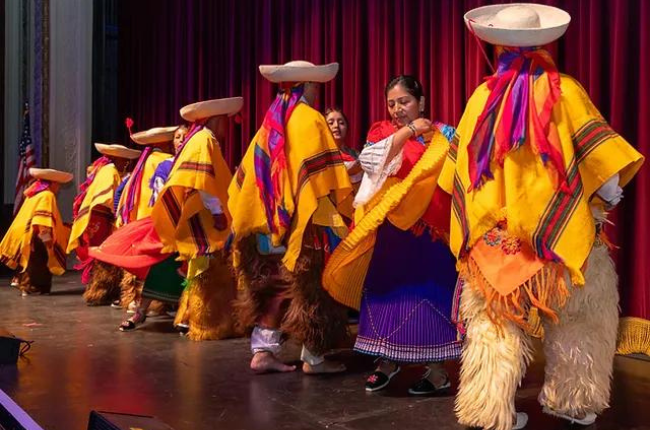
{"points": [[265, 362], [323, 368]]}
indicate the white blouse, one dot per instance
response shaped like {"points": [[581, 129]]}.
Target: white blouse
{"points": [[376, 169]]}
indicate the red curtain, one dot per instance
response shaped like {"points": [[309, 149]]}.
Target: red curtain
{"points": [[176, 52]]}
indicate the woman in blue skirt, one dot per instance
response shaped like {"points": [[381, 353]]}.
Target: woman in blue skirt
{"points": [[395, 265]]}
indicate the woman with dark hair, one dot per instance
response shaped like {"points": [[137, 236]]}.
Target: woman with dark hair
{"points": [[339, 125], [395, 266]]}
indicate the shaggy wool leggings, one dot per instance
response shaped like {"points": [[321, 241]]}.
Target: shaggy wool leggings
{"points": [[579, 353]]}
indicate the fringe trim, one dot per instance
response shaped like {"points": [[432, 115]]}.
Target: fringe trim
{"points": [[183, 313], [210, 299], [259, 280], [314, 318], [633, 336], [544, 291], [104, 286], [131, 289]]}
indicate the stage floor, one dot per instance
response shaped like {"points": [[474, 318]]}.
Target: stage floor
{"points": [[79, 362]]}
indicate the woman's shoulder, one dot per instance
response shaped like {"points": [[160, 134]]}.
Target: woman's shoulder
{"points": [[447, 130], [380, 130]]}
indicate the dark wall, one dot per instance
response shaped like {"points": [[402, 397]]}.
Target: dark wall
{"points": [[106, 127], [5, 210]]}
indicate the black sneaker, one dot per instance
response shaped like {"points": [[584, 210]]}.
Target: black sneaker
{"points": [[424, 387], [379, 380], [182, 329], [116, 304]]}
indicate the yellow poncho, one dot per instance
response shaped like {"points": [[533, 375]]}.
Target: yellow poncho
{"points": [[315, 170], [142, 208], [525, 195], [100, 193], [402, 202], [181, 220], [39, 210]]}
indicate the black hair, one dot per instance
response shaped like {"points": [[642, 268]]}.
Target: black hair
{"points": [[410, 84]]}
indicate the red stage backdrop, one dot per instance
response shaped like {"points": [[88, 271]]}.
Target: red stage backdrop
{"points": [[176, 52]]}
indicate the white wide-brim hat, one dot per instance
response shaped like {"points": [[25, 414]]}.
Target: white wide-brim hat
{"points": [[210, 108], [118, 151], [154, 135], [299, 71], [518, 24], [51, 175]]}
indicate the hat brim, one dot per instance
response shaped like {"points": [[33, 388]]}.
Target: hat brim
{"points": [[117, 151], [210, 108], [154, 135], [553, 24], [282, 73], [51, 175]]}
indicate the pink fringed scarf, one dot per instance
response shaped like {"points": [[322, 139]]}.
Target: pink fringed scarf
{"points": [[83, 188], [271, 159], [38, 186], [510, 117]]}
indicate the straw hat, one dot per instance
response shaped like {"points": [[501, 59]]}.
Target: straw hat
{"points": [[518, 24], [118, 151], [299, 71], [51, 175], [210, 108], [154, 135]]}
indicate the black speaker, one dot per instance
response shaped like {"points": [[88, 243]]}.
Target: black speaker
{"points": [[100, 420], [11, 347]]}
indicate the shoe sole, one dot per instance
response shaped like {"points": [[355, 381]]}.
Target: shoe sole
{"points": [[438, 390], [581, 422]]}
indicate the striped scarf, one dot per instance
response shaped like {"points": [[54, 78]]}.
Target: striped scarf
{"points": [[83, 188], [132, 188], [271, 159], [518, 109], [37, 187]]}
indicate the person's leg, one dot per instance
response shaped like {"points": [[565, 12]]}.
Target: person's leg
{"points": [[435, 380], [313, 317], [104, 285], [494, 361], [138, 317], [265, 345], [261, 305], [580, 348], [37, 279]]}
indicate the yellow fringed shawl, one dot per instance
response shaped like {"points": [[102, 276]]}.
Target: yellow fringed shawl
{"points": [[523, 191], [524, 195], [100, 193], [142, 208], [402, 202], [180, 218], [315, 170], [39, 210]]}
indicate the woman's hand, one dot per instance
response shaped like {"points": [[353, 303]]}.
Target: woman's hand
{"points": [[420, 126]]}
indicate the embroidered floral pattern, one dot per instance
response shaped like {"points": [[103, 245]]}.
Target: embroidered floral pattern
{"points": [[511, 245], [493, 237], [498, 237]]}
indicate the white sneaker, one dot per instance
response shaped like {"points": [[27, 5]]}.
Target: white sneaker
{"points": [[588, 419], [522, 420]]}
